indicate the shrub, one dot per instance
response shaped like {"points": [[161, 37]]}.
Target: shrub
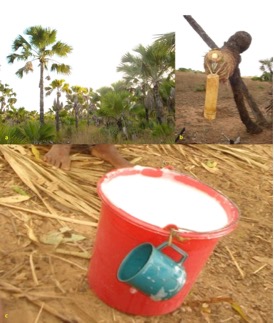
{"points": [[200, 88], [11, 135], [256, 78], [34, 133], [162, 130]]}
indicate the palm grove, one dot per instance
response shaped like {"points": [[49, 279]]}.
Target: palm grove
{"points": [[138, 107]]}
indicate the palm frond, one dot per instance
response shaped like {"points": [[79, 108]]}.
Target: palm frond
{"points": [[41, 37], [168, 39], [49, 90], [61, 68], [19, 57], [61, 49], [19, 42], [47, 53], [20, 72]]}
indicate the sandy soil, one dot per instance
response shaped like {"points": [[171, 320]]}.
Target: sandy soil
{"points": [[37, 284], [190, 98]]}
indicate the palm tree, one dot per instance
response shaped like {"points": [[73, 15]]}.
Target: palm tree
{"points": [[60, 86], [167, 91], [89, 105], [76, 101], [43, 47], [169, 41], [115, 105], [17, 115], [267, 69], [149, 68], [7, 97], [33, 115]]}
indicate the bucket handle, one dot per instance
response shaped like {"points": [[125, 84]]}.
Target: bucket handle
{"points": [[179, 250]]}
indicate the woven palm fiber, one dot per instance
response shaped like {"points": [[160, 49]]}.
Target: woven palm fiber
{"points": [[221, 62]]}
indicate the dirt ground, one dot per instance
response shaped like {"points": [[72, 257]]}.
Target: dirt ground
{"points": [[190, 97], [41, 283]]}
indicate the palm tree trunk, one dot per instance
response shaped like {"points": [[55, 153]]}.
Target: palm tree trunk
{"points": [[76, 111], [41, 86], [171, 101], [119, 124], [2, 106], [158, 103], [145, 103], [57, 119]]}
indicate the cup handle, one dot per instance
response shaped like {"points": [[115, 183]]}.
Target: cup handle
{"points": [[179, 250]]}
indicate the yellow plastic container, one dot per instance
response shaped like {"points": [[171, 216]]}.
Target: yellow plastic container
{"points": [[211, 98]]}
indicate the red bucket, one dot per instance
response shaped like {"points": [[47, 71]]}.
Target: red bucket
{"points": [[118, 233]]}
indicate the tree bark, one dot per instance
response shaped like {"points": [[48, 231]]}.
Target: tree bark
{"points": [[158, 104], [236, 85], [145, 104], [41, 86], [253, 105], [200, 32], [57, 118]]}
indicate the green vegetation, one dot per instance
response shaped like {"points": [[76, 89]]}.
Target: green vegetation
{"points": [[138, 108], [11, 135], [183, 69], [7, 97], [267, 69], [35, 133], [200, 88]]}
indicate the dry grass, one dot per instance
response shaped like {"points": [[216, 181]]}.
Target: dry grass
{"points": [[76, 189]]}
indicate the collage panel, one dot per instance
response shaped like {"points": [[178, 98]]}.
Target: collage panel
{"points": [[61, 84], [69, 238], [224, 82], [136, 165]]}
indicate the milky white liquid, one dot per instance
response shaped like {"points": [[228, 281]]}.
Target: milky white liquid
{"points": [[162, 200]]}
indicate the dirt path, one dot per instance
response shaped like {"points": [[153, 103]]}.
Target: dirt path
{"points": [[234, 286], [190, 96]]}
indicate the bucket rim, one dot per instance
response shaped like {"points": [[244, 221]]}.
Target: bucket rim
{"points": [[231, 208]]}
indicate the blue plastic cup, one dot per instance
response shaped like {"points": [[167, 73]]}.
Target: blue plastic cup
{"points": [[155, 274]]}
